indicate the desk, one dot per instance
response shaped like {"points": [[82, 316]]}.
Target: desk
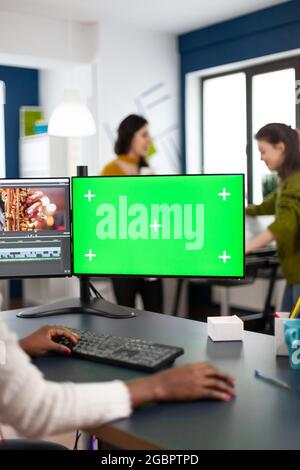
{"points": [[264, 264], [261, 417]]}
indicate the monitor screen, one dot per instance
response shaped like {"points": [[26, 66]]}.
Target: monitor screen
{"points": [[35, 227], [151, 226]]}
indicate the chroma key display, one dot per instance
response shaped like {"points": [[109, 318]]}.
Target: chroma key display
{"points": [[185, 225]]}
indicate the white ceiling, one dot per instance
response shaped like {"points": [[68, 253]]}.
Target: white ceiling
{"points": [[174, 16]]}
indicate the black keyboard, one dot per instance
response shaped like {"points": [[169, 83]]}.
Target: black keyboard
{"points": [[127, 352]]}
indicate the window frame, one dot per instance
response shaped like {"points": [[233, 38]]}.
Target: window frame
{"points": [[250, 72]]}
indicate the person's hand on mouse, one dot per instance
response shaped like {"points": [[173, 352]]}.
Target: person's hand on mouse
{"points": [[189, 382], [42, 341]]}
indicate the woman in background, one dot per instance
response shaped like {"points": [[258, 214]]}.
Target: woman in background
{"points": [[131, 147], [279, 148]]}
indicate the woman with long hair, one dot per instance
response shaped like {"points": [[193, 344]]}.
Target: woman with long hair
{"points": [[131, 148], [279, 148]]}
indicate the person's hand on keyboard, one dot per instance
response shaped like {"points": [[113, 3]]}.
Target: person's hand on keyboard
{"points": [[190, 382], [44, 340]]}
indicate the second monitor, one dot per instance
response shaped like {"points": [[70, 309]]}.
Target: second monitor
{"points": [[152, 226], [35, 227]]}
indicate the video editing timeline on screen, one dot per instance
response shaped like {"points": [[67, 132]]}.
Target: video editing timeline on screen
{"points": [[24, 253], [35, 227]]}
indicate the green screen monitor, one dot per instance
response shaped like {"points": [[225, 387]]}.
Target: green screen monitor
{"points": [[153, 226]]}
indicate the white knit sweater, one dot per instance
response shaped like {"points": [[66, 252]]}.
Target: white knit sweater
{"points": [[35, 407]]}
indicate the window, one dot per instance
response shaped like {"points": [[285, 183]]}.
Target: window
{"points": [[224, 138], [273, 100], [235, 106]]}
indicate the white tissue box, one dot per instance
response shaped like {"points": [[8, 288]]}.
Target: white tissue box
{"points": [[279, 340], [225, 328]]}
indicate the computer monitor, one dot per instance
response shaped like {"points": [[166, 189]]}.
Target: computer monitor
{"points": [[151, 226], [35, 238], [35, 241], [154, 226]]}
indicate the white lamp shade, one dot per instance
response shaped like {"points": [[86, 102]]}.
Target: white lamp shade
{"points": [[71, 118]]}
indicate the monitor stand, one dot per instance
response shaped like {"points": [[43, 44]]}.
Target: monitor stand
{"points": [[83, 304]]}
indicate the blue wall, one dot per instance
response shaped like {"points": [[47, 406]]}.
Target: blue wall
{"points": [[21, 89], [265, 32]]}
